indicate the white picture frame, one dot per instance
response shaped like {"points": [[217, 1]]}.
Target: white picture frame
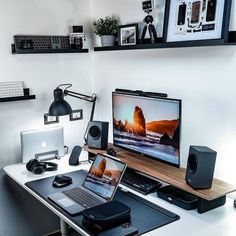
{"points": [[197, 20]]}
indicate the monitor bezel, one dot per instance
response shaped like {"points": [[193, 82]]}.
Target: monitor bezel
{"points": [[140, 153]]}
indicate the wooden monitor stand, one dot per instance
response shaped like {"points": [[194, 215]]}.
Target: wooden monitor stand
{"points": [[208, 198]]}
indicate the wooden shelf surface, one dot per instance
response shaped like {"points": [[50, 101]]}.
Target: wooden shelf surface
{"points": [[168, 174], [19, 98]]}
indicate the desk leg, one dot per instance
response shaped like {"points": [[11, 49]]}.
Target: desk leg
{"points": [[64, 228]]}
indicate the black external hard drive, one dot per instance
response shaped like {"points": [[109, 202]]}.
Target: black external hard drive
{"points": [[178, 197]]}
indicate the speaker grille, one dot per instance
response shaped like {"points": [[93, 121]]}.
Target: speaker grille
{"points": [[192, 163], [95, 132]]}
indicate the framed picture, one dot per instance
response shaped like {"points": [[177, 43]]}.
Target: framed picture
{"points": [[160, 23], [128, 34], [190, 20]]}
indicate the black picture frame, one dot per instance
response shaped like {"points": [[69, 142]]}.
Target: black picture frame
{"points": [[219, 18], [128, 34]]}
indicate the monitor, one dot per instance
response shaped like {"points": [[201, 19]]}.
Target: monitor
{"points": [[149, 126]]}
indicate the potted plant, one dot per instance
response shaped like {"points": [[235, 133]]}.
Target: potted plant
{"points": [[107, 29]]}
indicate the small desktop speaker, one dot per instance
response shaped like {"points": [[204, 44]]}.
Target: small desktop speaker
{"points": [[97, 134], [200, 167]]}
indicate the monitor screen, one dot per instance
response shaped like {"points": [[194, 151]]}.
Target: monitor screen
{"points": [[104, 176], [148, 126]]}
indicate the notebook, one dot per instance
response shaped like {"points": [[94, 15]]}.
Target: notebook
{"points": [[42, 144], [98, 187]]}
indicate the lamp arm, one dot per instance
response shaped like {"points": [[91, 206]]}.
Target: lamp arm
{"points": [[80, 96], [87, 98]]}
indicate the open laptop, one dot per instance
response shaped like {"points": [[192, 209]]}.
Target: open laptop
{"points": [[42, 144], [99, 186]]}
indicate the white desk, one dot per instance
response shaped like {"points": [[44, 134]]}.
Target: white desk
{"points": [[217, 222]]}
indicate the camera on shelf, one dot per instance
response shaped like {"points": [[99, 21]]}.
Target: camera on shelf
{"points": [[77, 37], [148, 6]]}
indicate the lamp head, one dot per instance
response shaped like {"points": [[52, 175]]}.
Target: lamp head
{"points": [[59, 107]]}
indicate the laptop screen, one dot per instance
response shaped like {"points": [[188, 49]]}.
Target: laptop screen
{"points": [[104, 176]]}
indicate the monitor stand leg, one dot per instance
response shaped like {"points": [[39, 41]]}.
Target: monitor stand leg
{"points": [[64, 228], [204, 205]]}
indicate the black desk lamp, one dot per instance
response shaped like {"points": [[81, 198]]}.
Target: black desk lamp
{"points": [[60, 107]]}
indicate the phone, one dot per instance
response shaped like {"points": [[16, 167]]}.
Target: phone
{"points": [[211, 10], [182, 14], [195, 12], [122, 230]]}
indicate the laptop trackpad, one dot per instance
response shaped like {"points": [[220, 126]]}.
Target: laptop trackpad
{"points": [[66, 203]]}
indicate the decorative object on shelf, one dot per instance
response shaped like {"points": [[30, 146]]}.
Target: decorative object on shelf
{"points": [[11, 89], [60, 107], [198, 20], [42, 41], [77, 38], [107, 29], [128, 34], [157, 10], [148, 6], [14, 91], [46, 44]]}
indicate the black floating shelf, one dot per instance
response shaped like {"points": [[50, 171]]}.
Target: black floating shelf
{"points": [[199, 43], [19, 98], [46, 51]]}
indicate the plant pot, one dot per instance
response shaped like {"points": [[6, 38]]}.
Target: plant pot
{"points": [[108, 40]]}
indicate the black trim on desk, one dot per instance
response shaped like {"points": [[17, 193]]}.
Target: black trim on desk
{"points": [[19, 98], [46, 51], [199, 43]]}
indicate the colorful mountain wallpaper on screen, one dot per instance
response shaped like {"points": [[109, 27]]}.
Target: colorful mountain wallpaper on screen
{"points": [[151, 127]]}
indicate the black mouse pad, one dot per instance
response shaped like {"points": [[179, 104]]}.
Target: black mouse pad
{"points": [[145, 216]]}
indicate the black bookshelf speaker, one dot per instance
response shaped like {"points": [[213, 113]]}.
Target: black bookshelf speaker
{"points": [[97, 134], [200, 167]]}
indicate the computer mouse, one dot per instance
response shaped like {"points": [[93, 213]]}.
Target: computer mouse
{"points": [[61, 181], [111, 151]]}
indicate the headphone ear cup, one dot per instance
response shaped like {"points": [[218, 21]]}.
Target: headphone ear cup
{"points": [[31, 163], [39, 168]]}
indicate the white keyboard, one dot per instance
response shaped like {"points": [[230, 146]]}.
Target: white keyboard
{"points": [[11, 89]]}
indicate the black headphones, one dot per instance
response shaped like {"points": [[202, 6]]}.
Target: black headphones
{"points": [[38, 167]]}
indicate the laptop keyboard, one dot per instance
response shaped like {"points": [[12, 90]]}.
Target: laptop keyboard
{"points": [[82, 197]]}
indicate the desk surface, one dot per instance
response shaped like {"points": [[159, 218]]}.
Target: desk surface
{"points": [[168, 174], [217, 222]]}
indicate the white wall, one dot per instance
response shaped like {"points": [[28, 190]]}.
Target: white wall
{"points": [[41, 73], [202, 77]]}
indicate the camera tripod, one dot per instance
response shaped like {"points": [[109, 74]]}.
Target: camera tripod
{"points": [[151, 29]]}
